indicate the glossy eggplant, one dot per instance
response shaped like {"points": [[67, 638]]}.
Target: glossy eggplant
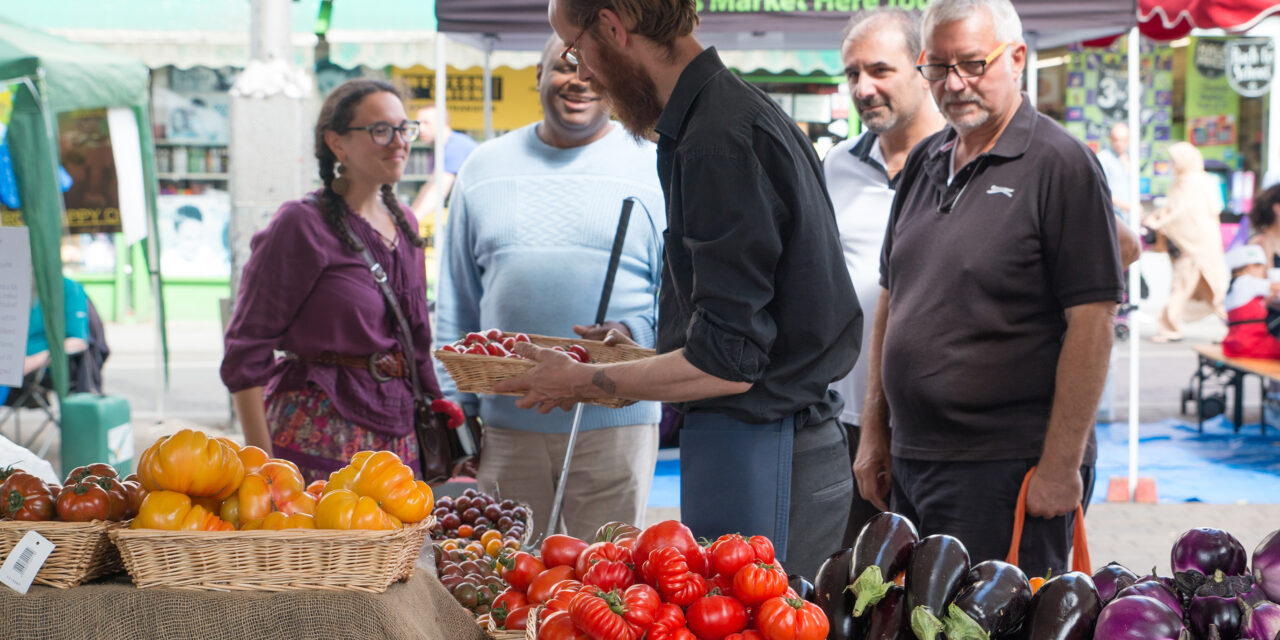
{"points": [[1259, 622], [1266, 566], [1154, 589], [1111, 578], [1204, 551], [834, 597], [1065, 607], [888, 619], [1222, 614], [934, 576], [991, 604], [1139, 618], [881, 552], [803, 588]]}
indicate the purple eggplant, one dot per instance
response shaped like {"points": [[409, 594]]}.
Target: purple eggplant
{"points": [[1259, 622], [1266, 566], [831, 588], [1111, 578], [935, 574], [888, 619], [881, 552], [1153, 589], [1065, 607], [1214, 617], [803, 588], [1139, 618], [991, 604], [1204, 551]]}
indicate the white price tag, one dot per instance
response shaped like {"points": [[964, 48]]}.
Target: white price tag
{"points": [[24, 562]]}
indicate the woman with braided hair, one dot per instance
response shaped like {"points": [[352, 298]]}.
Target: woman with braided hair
{"points": [[344, 384]]}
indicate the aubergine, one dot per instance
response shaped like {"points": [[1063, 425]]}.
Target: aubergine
{"points": [[803, 588], [1154, 589], [833, 596], [992, 603], [887, 620], [1214, 617], [934, 576], [1111, 578], [881, 552], [1065, 607]]}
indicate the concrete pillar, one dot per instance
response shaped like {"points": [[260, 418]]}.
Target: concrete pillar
{"points": [[271, 121]]}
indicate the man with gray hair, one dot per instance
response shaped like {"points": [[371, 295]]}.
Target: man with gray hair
{"points": [[1001, 273], [879, 54]]}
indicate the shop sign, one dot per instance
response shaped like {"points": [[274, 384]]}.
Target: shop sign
{"points": [[1251, 65], [514, 94]]}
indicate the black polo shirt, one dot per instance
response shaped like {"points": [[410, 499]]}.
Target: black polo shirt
{"points": [[754, 286], [979, 273]]}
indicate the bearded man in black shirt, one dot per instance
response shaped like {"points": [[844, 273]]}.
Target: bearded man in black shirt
{"points": [[757, 314]]}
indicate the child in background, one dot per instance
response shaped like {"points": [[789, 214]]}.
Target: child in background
{"points": [[1246, 303]]}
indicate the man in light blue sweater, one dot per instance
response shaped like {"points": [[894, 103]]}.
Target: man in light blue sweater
{"points": [[527, 244]]}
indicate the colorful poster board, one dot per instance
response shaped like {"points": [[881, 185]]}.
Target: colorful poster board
{"points": [[1212, 106], [84, 144]]}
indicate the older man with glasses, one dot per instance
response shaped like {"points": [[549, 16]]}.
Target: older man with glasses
{"points": [[1000, 273]]}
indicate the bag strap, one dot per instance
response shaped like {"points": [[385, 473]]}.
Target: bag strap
{"points": [[403, 333], [1080, 543], [619, 239]]}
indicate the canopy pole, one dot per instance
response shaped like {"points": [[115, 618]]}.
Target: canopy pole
{"points": [[489, 42], [1135, 270], [1033, 70], [437, 149]]}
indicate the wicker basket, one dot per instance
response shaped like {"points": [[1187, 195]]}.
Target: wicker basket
{"points": [[531, 627], [81, 550], [477, 374], [271, 560], [524, 537], [503, 634]]}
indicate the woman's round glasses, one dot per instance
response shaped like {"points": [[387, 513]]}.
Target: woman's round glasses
{"points": [[381, 132]]}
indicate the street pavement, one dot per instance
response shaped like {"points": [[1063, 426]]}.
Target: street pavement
{"points": [[1137, 535]]}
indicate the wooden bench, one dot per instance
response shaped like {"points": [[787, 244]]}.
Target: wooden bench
{"points": [[1229, 372]]}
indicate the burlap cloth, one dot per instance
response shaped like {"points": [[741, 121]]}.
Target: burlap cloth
{"points": [[114, 609]]}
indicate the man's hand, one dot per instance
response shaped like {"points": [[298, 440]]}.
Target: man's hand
{"points": [[552, 383], [872, 469], [1052, 493], [602, 331]]}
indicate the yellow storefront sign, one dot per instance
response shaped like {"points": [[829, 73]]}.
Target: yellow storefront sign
{"points": [[515, 95]]}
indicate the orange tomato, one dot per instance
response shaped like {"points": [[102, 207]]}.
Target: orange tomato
{"points": [[491, 534], [493, 548], [253, 458], [465, 530], [386, 479], [275, 486], [343, 509], [173, 511], [190, 462], [316, 488], [277, 520], [229, 510]]}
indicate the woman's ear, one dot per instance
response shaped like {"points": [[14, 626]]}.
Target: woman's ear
{"points": [[334, 141]]}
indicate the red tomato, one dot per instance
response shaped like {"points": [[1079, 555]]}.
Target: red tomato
{"points": [[477, 349], [540, 590], [687, 591], [512, 599], [520, 337], [665, 565], [579, 352], [669, 615], [475, 337], [783, 619], [730, 553], [749, 634], [558, 626], [493, 334], [517, 619], [670, 633], [758, 582], [509, 344], [610, 575], [559, 549], [597, 614], [600, 551], [450, 348], [564, 594], [641, 604], [670, 533], [714, 617], [520, 568], [496, 349], [722, 582], [763, 547]]}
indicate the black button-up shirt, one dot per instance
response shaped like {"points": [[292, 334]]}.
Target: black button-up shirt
{"points": [[754, 284]]}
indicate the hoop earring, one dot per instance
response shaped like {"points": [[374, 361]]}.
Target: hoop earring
{"points": [[341, 184]]}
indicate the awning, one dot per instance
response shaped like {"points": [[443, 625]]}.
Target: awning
{"points": [[1173, 19]]}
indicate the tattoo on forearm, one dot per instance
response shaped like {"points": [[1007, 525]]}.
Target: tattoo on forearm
{"points": [[604, 383]]}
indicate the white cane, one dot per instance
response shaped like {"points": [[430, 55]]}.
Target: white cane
{"points": [[564, 470]]}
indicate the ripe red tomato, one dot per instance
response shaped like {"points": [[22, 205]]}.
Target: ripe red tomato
{"points": [[559, 549], [640, 603], [669, 615], [729, 553], [558, 626], [83, 502], [477, 349], [564, 593], [517, 619], [609, 575], [665, 565], [670, 633], [450, 348], [670, 533], [596, 613], [475, 337], [598, 551], [688, 590], [496, 349], [579, 353], [509, 344], [783, 619], [520, 337], [758, 582], [714, 617], [763, 547], [749, 634], [520, 568], [493, 334], [723, 582], [540, 590], [512, 598]]}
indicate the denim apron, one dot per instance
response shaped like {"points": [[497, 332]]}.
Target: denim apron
{"points": [[735, 477]]}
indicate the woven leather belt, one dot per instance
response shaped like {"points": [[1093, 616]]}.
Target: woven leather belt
{"points": [[383, 366]]}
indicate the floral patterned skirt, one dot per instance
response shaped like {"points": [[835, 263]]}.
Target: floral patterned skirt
{"points": [[307, 430]]}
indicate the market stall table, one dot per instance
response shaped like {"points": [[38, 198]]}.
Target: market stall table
{"points": [[419, 608]]}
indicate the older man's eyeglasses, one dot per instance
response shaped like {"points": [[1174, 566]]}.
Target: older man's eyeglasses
{"points": [[381, 132], [572, 54], [963, 69]]}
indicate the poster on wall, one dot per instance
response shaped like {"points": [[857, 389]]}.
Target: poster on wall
{"points": [[1212, 107], [514, 95], [93, 200], [1251, 65], [193, 234], [195, 105]]}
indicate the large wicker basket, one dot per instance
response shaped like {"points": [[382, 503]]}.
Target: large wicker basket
{"points": [[530, 627], [477, 374], [271, 560], [81, 552], [503, 634]]}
